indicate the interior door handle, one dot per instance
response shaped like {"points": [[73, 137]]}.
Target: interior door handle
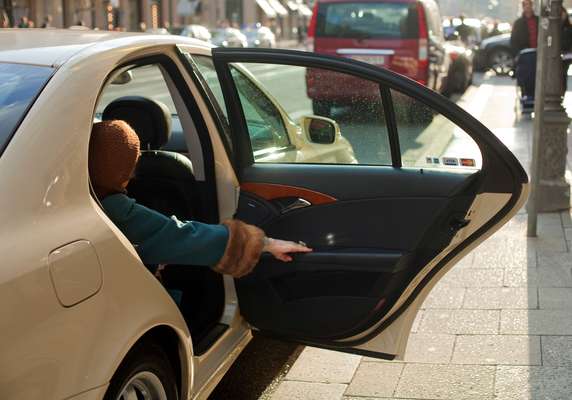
{"points": [[293, 203]]}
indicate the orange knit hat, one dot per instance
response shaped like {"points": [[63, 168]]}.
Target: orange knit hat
{"points": [[113, 153]]}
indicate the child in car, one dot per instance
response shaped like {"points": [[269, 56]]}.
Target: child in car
{"points": [[232, 247]]}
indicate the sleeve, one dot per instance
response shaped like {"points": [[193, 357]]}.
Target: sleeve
{"points": [[162, 240]]}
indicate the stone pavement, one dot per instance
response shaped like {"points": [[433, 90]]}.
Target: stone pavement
{"points": [[498, 326]]}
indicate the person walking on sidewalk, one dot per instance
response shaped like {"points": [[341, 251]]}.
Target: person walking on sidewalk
{"points": [[525, 29]]}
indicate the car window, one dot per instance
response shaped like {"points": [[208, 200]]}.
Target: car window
{"points": [[351, 105], [375, 20], [430, 140], [147, 81], [19, 86], [264, 121]]}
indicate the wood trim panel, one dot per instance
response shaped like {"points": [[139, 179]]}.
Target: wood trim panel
{"points": [[271, 191]]}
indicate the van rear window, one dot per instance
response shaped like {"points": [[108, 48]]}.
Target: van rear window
{"points": [[368, 20]]}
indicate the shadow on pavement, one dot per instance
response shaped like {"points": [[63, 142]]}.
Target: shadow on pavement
{"points": [[258, 370]]}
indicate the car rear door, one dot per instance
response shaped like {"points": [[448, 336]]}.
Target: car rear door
{"points": [[430, 183]]}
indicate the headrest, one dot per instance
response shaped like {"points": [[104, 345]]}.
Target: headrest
{"points": [[150, 119]]}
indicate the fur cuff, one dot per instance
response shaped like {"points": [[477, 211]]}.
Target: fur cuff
{"points": [[245, 244]]}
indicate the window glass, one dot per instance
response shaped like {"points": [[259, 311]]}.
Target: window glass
{"points": [[430, 140], [19, 86], [352, 127], [264, 120], [144, 81], [368, 20]]}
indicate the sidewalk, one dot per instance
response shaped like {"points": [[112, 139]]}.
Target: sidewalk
{"points": [[498, 326]]}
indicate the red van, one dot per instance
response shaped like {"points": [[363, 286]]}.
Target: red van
{"points": [[404, 36]]}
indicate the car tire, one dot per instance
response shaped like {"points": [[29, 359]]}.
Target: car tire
{"points": [[146, 368], [501, 61], [321, 107]]}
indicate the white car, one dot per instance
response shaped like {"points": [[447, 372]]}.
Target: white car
{"points": [[228, 37], [84, 318]]}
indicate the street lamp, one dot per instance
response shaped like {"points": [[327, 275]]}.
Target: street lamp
{"points": [[549, 189]]}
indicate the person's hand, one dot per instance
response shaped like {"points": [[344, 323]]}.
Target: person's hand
{"points": [[280, 248]]}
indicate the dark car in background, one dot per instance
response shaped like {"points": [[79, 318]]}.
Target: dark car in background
{"points": [[495, 53], [404, 36]]}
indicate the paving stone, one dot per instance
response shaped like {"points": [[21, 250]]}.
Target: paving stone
{"points": [[292, 390], [497, 349], [458, 382], [467, 261], [505, 252], [429, 348], [460, 321], [443, 296], [326, 366], [497, 298], [473, 278], [555, 260], [555, 298], [536, 322], [554, 383], [568, 233], [555, 276], [557, 350], [520, 278], [375, 379]]}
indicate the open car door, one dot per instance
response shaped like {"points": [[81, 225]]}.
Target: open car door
{"points": [[389, 182]]}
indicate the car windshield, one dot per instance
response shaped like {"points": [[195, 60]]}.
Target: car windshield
{"points": [[19, 86], [368, 20]]}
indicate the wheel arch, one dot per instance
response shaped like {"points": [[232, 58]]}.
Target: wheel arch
{"points": [[179, 354]]}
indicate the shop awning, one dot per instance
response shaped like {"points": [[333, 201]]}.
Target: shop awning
{"points": [[278, 7], [267, 8], [304, 10], [292, 5]]}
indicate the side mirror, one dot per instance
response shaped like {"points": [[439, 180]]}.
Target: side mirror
{"points": [[320, 130], [123, 78]]}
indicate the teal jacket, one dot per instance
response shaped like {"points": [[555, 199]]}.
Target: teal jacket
{"points": [[162, 240]]}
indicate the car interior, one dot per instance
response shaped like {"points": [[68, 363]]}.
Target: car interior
{"points": [[164, 180]]}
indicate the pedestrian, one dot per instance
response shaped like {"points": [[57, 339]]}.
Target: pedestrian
{"points": [[232, 247], [24, 22], [47, 21], [4, 20], [465, 31], [524, 33]]}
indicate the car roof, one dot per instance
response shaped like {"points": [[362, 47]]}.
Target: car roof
{"points": [[53, 47]]}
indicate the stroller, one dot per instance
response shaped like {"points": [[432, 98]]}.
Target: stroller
{"points": [[525, 74]]}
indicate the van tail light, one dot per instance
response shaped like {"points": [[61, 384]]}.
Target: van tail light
{"points": [[423, 57], [312, 29]]}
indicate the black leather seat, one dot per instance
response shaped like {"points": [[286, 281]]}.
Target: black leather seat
{"points": [[163, 180]]}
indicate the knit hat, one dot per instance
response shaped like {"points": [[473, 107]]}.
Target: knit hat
{"points": [[113, 153]]}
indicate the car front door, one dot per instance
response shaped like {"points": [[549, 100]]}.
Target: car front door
{"points": [[428, 184]]}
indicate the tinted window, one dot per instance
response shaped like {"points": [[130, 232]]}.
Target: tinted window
{"points": [[368, 20], [19, 86]]}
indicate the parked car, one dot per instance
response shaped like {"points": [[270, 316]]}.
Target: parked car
{"points": [[197, 32], [405, 37], [260, 36], [228, 37], [460, 74], [495, 53], [84, 318]]}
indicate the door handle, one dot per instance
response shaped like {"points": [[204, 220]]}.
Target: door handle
{"points": [[294, 204]]}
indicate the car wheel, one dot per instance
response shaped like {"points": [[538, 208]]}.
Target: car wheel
{"points": [[146, 373], [321, 107], [501, 61]]}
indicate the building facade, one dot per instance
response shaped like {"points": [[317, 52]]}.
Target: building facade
{"points": [[286, 17]]}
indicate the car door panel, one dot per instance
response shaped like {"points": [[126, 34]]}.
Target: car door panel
{"points": [[382, 235]]}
